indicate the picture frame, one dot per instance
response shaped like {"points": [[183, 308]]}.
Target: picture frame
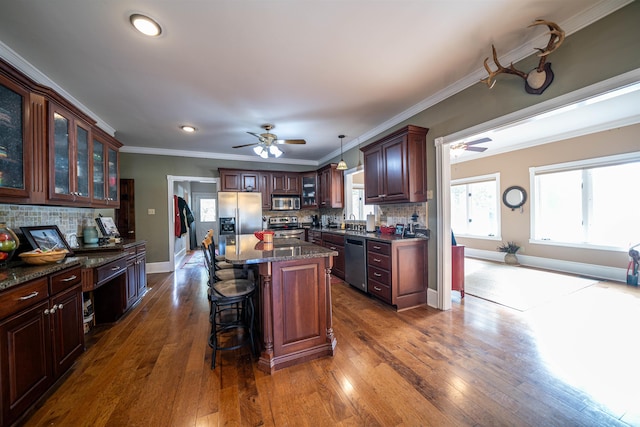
{"points": [[399, 229], [107, 226], [45, 237]]}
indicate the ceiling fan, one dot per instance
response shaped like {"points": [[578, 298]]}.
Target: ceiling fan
{"points": [[267, 142], [467, 146]]}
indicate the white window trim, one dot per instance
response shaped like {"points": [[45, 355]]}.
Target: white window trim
{"points": [[483, 178], [567, 166]]}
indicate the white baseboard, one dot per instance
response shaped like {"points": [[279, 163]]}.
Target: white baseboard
{"points": [[432, 298], [578, 268], [160, 267]]}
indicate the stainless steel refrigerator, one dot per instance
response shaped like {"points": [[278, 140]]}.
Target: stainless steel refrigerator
{"points": [[239, 213]]}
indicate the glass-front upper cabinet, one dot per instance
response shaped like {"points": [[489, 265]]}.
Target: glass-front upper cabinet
{"points": [[309, 187], [14, 169], [69, 157], [105, 172]]}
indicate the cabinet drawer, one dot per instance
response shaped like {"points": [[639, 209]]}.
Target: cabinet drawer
{"points": [[378, 247], [333, 238], [379, 290], [23, 296], [379, 275], [130, 252], [377, 260], [141, 249], [65, 279], [111, 270]]}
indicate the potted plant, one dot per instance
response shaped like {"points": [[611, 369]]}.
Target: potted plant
{"points": [[510, 249]]}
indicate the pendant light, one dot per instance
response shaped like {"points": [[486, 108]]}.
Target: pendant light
{"points": [[342, 165]]}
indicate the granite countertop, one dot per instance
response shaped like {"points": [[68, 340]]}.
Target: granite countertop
{"points": [[247, 249], [372, 236], [18, 272]]}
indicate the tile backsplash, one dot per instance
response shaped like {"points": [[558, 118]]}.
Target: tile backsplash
{"points": [[68, 220]]}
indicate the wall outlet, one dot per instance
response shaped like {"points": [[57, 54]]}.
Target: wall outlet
{"points": [[429, 194], [151, 211]]}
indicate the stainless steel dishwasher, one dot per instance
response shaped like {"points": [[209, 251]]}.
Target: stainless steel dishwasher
{"points": [[355, 258]]}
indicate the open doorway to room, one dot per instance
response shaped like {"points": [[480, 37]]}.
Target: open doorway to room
{"points": [[188, 185], [612, 104]]}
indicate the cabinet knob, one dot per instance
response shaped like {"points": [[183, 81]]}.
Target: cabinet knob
{"points": [[47, 311], [60, 306]]}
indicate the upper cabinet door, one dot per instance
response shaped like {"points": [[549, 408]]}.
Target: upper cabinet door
{"points": [[106, 172], [68, 157], [14, 142]]}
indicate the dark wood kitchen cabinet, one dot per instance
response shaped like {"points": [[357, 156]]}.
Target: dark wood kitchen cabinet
{"points": [[244, 180], [126, 214], [41, 335], [106, 171], [397, 271], [69, 157], [136, 283], [23, 124], [395, 167], [285, 183], [335, 242], [309, 189], [330, 187]]}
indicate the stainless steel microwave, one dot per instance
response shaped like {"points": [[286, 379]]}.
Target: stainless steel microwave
{"points": [[285, 203]]}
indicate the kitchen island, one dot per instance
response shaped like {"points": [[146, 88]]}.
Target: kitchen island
{"points": [[294, 298]]}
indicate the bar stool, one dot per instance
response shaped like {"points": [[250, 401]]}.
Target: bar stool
{"points": [[231, 306], [214, 268], [232, 315]]}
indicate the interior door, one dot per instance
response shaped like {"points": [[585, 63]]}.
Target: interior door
{"points": [[205, 214]]}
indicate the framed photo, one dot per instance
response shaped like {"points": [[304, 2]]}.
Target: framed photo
{"points": [[107, 226], [45, 237], [399, 229]]}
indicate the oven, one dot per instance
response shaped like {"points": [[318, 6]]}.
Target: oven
{"points": [[286, 227]]}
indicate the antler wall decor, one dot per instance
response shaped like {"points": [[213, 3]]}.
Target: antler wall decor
{"points": [[538, 79]]}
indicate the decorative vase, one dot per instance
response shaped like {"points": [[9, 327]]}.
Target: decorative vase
{"points": [[9, 242], [90, 235], [511, 259]]}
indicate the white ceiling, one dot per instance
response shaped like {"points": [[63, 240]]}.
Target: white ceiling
{"points": [[316, 69]]}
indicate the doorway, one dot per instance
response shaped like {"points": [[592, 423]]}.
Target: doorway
{"points": [[204, 213], [172, 180]]}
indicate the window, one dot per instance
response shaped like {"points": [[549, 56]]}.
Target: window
{"points": [[588, 203], [475, 206], [354, 196], [207, 210]]}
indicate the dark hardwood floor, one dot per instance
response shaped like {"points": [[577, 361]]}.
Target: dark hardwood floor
{"points": [[569, 363]]}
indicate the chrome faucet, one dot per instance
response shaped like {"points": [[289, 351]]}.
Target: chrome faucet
{"points": [[352, 215]]}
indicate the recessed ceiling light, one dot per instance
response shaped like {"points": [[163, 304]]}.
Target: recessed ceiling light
{"points": [[145, 25], [188, 128]]}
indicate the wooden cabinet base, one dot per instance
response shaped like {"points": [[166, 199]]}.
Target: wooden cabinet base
{"points": [[295, 313]]}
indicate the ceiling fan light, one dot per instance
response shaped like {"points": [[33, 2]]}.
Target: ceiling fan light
{"points": [[260, 151], [145, 25], [275, 151]]}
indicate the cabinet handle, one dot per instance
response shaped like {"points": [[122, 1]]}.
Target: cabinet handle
{"points": [[53, 309], [31, 295], [377, 274], [59, 306], [116, 268], [382, 195], [68, 279], [376, 260], [333, 248], [376, 247], [375, 288], [47, 311]]}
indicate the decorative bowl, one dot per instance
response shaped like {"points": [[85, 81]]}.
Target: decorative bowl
{"points": [[39, 257], [387, 230], [260, 234]]}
